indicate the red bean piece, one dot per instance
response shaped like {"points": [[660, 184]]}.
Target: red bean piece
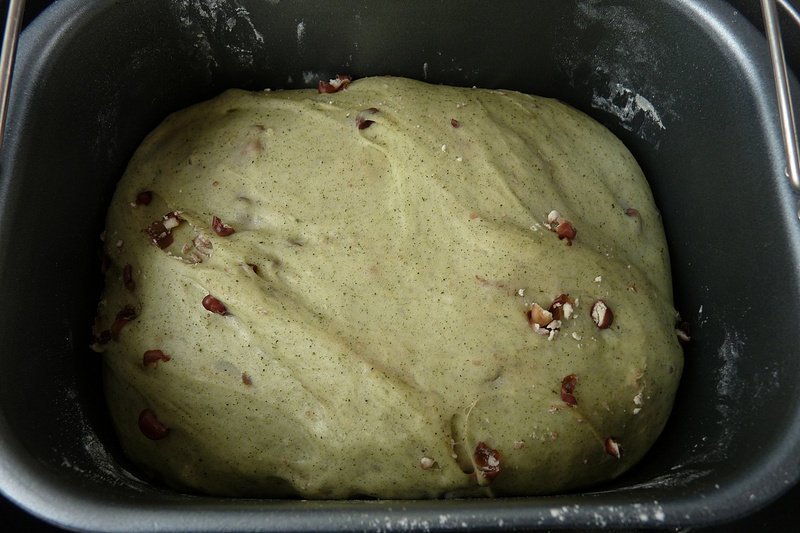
{"points": [[152, 357], [487, 460], [144, 198], [220, 228], [150, 426], [567, 388], [127, 314], [214, 305]]}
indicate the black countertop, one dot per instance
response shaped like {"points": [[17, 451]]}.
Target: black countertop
{"points": [[782, 515]]}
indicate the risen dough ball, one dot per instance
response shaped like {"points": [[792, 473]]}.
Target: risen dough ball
{"points": [[352, 294]]}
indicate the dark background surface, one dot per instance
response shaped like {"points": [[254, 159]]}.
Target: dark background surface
{"points": [[782, 515]]}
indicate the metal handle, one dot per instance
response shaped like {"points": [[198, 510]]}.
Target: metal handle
{"points": [[785, 108], [7, 54]]}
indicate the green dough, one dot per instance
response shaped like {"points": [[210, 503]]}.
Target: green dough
{"points": [[370, 317]]}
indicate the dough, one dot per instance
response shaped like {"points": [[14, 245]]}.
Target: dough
{"points": [[395, 290]]}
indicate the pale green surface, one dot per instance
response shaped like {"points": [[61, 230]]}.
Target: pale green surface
{"points": [[385, 321]]}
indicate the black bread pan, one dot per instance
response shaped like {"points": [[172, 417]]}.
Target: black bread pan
{"points": [[686, 84]]}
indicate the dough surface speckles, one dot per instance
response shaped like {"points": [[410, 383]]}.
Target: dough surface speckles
{"points": [[347, 291]]}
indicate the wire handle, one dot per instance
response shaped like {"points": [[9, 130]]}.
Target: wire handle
{"points": [[7, 54], [779, 70]]}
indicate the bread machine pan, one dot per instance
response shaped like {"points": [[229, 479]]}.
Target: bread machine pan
{"points": [[687, 86]]}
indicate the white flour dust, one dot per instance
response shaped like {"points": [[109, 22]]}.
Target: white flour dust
{"points": [[626, 105], [617, 52], [221, 14], [220, 26], [91, 458], [729, 386]]}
